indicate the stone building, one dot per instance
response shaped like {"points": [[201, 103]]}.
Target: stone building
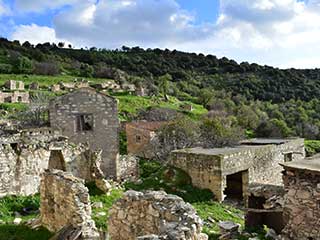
{"points": [[26, 154], [67, 86], [302, 199], [65, 204], [14, 85], [14, 97], [227, 172], [139, 137], [85, 116], [161, 215], [55, 88]]}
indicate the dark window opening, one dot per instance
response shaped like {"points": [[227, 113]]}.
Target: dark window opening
{"points": [[84, 122], [8, 99], [288, 157], [19, 99], [138, 139], [56, 160]]}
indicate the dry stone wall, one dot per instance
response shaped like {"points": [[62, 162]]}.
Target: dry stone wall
{"points": [[157, 214], [128, 168], [302, 202], [65, 202]]}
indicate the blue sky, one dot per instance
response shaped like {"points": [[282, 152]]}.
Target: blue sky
{"points": [[282, 33]]}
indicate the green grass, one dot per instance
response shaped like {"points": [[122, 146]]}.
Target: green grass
{"points": [[12, 204], [107, 201], [13, 232], [312, 147], [169, 179], [129, 106]]}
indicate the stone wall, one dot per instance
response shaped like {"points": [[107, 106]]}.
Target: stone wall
{"points": [[86, 116], [302, 203], [166, 216], [65, 202], [25, 155], [209, 168], [128, 168]]}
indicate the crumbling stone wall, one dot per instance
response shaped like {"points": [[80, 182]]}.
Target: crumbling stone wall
{"points": [[128, 168], [65, 202], [25, 155], [166, 216], [69, 112], [14, 97], [302, 202], [209, 168]]}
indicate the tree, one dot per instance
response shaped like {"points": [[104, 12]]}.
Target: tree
{"points": [[220, 132], [37, 112], [205, 96], [178, 134], [164, 82], [86, 70], [61, 44], [22, 65]]}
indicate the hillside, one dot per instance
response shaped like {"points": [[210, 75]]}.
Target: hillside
{"points": [[190, 72]]}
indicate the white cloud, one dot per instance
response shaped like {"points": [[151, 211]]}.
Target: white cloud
{"points": [[284, 33], [35, 34], [41, 5], [4, 9]]}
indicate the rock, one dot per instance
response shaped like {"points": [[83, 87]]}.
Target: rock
{"points": [[101, 214], [97, 205], [210, 219], [17, 221], [228, 226], [271, 234]]}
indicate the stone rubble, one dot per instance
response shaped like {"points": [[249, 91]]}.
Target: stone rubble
{"points": [[162, 215], [228, 230]]}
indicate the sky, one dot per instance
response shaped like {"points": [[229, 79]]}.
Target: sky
{"points": [[280, 33]]}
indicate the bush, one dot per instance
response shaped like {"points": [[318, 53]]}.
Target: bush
{"points": [[312, 147]]}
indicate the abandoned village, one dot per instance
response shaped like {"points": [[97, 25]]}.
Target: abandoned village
{"points": [[270, 179]]}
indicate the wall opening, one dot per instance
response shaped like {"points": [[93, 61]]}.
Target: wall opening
{"points": [[256, 202], [235, 186], [56, 160], [19, 99], [84, 122], [288, 157]]}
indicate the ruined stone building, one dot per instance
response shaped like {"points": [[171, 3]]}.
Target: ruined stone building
{"points": [[85, 116], [227, 172], [154, 215], [139, 137], [302, 199], [26, 154], [13, 85], [14, 97], [65, 206]]}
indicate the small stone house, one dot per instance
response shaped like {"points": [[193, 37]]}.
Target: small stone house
{"points": [[55, 88], [139, 137], [14, 85], [14, 97], [302, 199], [227, 172], [86, 116]]}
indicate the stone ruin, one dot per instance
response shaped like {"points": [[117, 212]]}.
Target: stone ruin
{"points": [[264, 207], [154, 215], [65, 206], [302, 200], [26, 154]]}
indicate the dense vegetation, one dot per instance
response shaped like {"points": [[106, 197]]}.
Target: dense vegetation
{"points": [[262, 100]]}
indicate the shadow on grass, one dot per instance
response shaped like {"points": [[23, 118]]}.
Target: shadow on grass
{"points": [[13, 232]]}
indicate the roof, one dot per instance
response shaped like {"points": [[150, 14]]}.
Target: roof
{"points": [[309, 164], [151, 126], [265, 141], [212, 151], [84, 89]]}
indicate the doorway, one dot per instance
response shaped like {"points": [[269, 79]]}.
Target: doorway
{"points": [[56, 160], [236, 186]]}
